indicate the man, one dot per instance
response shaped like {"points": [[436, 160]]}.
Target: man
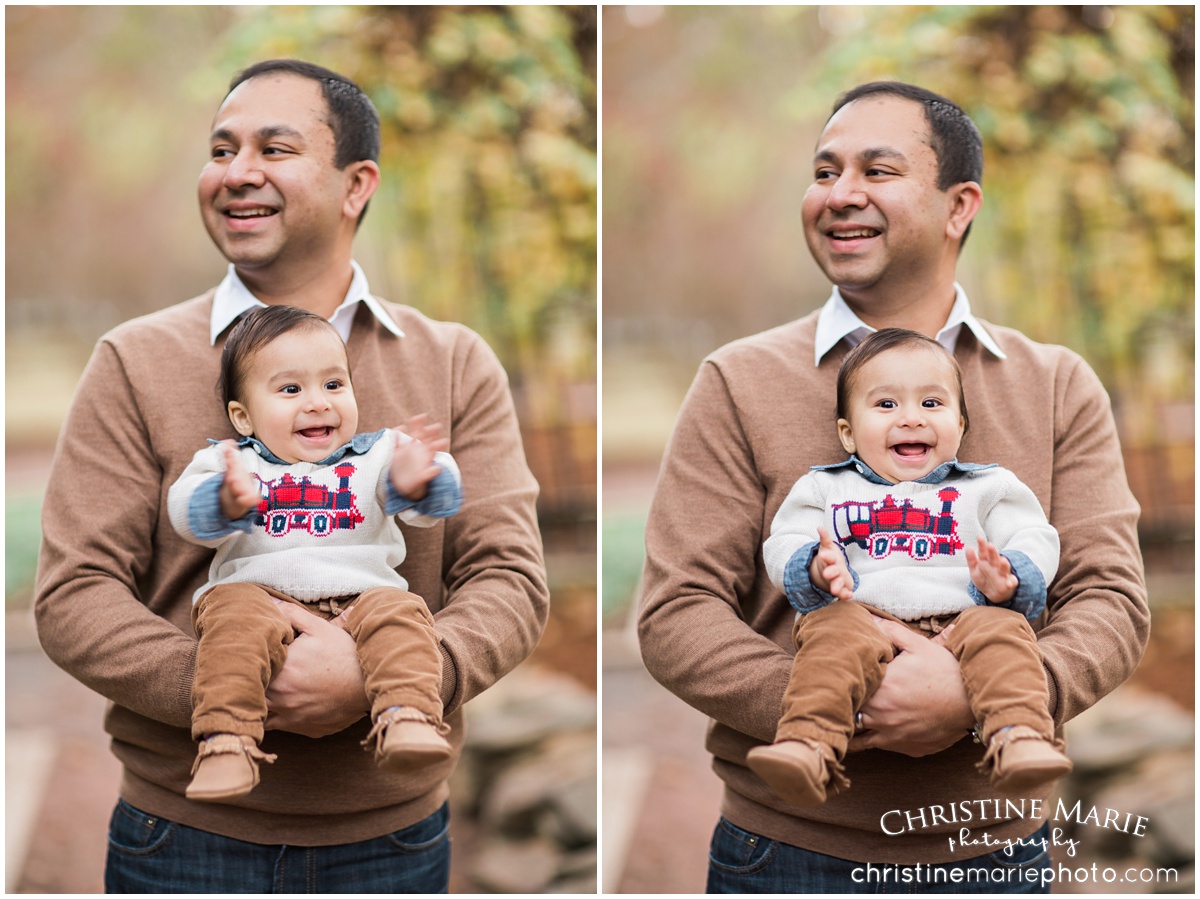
{"points": [[896, 184], [292, 168]]}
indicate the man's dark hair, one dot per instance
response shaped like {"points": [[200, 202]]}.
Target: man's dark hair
{"points": [[353, 118], [954, 138], [254, 331], [880, 342]]}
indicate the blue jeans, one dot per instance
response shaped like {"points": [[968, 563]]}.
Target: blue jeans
{"points": [[743, 862], [147, 854]]}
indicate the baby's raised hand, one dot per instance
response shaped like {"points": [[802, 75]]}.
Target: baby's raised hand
{"points": [[829, 570], [412, 460], [238, 491], [991, 573]]}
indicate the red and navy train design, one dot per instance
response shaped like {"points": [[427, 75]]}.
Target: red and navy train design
{"points": [[883, 528], [302, 505]]}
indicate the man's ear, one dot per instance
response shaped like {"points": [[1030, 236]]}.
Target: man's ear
{"points": [[240, 418], [846, 436], [965, 199], [362, 178]]}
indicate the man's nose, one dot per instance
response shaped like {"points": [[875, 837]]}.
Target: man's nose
{"points": [[244, 170], [848, 190]]}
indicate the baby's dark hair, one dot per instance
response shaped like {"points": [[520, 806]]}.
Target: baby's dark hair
{"points": [[880, 342], [256, 329]]}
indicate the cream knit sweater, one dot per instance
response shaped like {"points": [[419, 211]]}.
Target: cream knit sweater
{"points": [[323, 529], [905, 542]]}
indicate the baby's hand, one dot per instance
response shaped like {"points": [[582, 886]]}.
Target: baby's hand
{"points": [[412, 460], [991, 573], [829, 570], [238, 493]]}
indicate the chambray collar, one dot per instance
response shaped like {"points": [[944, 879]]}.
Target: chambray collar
{"points": [[939, 474], [359, 445], [233, 298], [837, 321]]}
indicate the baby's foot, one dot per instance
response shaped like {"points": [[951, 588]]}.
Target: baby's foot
{"points": [[226, 768], [1022, 759], [798, 770], [407, 740]]}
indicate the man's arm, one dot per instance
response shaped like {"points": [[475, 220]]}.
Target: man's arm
{"points": [[1099, 619], [99, 518], [495, 578], [703, 539]]}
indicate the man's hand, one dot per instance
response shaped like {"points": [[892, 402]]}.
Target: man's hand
{"points": [[319, 691], [921, 706], [991, 573], [412, 460], [829, 570], [239, 494]]}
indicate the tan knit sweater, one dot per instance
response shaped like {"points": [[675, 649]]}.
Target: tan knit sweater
{"points": [[115, 581], [717, 633]]}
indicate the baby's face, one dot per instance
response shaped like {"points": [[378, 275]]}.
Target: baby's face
{"points": [[903, 416], [297, 397]]}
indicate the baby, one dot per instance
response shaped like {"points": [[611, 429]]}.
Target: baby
{"points": [[884, 534], [302, 509]]}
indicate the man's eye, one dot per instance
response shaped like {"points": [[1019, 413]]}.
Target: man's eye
{"points": [[221, 152], [824, 176]]}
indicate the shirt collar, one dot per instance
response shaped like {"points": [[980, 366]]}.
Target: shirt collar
{"points": [[939, 474], [233, 299], [837, 321], [359, 444]]}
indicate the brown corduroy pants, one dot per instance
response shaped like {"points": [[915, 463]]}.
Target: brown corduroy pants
{"points": [[841, 657], [243, 644]]}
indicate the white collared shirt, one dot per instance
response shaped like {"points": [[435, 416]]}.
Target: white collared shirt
{"points": [[233, 298], [837, 321]]}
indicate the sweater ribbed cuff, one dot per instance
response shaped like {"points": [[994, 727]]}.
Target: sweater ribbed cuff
{"points": [[449, 679]]}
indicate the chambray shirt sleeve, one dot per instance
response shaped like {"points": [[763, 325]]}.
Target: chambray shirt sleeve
{"points": [[205, 518], [1030, 596], [1014, 521], [194, 502], [801, 592], [443, 496], [789, 551]]}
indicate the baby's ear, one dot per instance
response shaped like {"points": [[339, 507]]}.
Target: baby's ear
{"points": [[240, 418], [846, 436]]}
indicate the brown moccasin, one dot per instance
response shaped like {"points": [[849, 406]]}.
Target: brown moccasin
{"points": [[226, 768]]}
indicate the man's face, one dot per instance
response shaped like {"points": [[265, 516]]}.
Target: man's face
{"points": [[873, 217], [270, 193]]}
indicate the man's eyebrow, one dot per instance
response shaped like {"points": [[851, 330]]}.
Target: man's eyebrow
{"points": [[870, 154], [267, 132]]}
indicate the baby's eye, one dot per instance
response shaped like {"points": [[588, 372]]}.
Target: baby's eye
{"points": [[333, 385], [290, 388], [931, 403], [886, 404]]}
